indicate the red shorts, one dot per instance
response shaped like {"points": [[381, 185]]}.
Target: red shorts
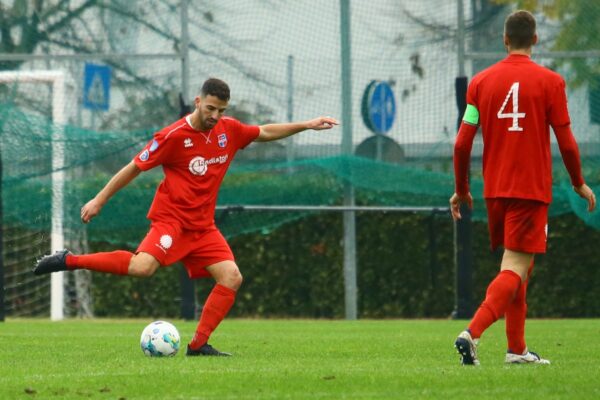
{"points": [[169, 243], [518, 224]]}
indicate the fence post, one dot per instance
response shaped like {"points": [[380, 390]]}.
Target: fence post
{"points": [[2, 310], [188, 297], [463, 256]]}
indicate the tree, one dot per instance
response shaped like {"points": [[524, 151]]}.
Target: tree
{"points": [[116, 26], [484, 27], [579, 30]]}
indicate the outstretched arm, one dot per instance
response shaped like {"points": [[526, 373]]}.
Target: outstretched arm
{"points": [[116, 183], [279, 131]]}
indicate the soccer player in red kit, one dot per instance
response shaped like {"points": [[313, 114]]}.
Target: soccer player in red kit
{"points": [[514, 102], [194, 153]]}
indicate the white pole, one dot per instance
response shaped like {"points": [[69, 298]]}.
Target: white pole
{"points": [[57, 238]]}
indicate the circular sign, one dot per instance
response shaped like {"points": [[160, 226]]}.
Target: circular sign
{"points": [[378, 107]]}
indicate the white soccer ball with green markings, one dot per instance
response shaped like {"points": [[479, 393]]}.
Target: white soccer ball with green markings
{"points": [[160, 339]]}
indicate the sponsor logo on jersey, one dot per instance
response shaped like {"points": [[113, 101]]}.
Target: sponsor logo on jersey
{"points": [[164, 243], [153, 146], [222, 140], [145, 155], [188, 143], [199, 165]]}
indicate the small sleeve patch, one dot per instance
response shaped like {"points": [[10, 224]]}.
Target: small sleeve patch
{"points": [[145, 155], [471, 115]]}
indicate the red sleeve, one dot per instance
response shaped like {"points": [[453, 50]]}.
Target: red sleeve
{"points": [[464, 144], [472, 92], [558, 113], [570, 153], [462, 157], [244, 134], [153, 154]]}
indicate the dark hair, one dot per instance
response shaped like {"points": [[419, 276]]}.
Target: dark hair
{"points": [[519, 28], [215, 87]]}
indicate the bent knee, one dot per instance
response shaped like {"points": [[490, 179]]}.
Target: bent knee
{"points": [[232, 279], [143, 265]]}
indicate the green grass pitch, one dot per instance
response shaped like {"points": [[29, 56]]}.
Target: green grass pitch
{"points": [[294, 359]]}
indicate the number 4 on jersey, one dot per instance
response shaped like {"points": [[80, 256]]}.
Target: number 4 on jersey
{"points": [[515, 114]]}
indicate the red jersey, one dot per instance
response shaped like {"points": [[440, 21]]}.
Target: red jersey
{"points": [[515, 102], [194, 163]]}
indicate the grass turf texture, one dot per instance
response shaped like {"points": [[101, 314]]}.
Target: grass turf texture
{"points": [[294, 359]]}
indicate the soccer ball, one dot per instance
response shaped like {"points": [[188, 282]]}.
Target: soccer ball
{"points": [[160, 339]]}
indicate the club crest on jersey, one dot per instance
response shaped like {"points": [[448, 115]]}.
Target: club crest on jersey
{"points": [[222, 140], [145, 155], [188, 143]]}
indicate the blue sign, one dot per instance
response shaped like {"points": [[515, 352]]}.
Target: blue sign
{"points": [[378, 107], [96, 87]]}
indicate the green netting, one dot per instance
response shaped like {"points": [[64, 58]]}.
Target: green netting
{"points": [[282, 61], [91, 158]]}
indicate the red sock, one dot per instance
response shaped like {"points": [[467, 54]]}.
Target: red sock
{"points": [[515, 315], [215, 309], [115, 262], [500, 293]]}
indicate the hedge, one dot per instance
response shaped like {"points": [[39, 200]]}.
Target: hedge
{"points": [[405, 270]]}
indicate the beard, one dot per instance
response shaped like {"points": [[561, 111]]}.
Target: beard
{"points": [[209, 123]]}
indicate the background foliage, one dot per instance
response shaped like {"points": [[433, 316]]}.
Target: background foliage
{"points": [[287, 66], [296, 271]]}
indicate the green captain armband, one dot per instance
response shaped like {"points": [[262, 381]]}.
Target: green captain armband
{"points": [[471, 115]]}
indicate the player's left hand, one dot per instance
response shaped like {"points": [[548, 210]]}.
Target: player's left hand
{"points": [[456, 201], [585, 192], [321, 123]]}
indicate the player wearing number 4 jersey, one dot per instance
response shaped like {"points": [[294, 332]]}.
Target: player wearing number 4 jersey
{"points": [[515, 102], [194, 153]]}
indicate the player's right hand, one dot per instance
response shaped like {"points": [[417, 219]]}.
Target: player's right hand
{"points": [[585, 192], [90, 210], [456, 201], [321, 123]]}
